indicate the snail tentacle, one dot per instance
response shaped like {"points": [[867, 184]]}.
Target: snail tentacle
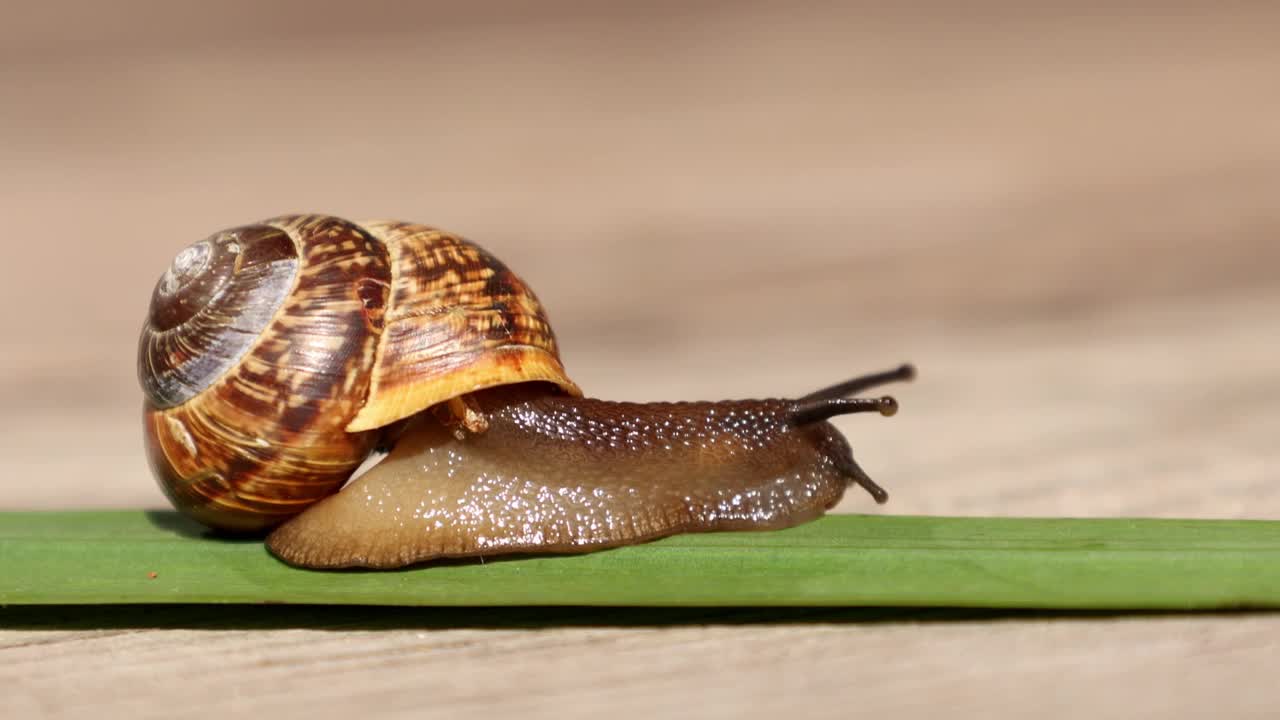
{"points": [[902, 373]]}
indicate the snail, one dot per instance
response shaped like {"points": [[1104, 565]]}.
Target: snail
{"points": [[277, 357]]}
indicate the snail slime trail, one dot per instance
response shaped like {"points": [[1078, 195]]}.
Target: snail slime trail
{"points": [[277, 355]]}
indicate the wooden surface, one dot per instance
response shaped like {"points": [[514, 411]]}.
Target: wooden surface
{"points": [[1067, 218]]}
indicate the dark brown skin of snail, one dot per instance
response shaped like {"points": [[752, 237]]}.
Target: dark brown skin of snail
{"points": [[560, 474]]}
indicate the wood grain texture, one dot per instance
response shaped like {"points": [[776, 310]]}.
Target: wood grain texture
{"points": [[1066, 217]]}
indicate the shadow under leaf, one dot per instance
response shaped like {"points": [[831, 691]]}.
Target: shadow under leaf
{"points": [[375, 618]]}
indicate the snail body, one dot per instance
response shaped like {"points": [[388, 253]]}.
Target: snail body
{"points": [[278, 355], [562, 474]]}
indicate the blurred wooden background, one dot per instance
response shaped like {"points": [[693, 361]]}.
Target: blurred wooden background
{"points": [[1066, 216]]}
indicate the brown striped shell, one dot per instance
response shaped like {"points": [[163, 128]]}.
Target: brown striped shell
{"points": [[273, 352]]}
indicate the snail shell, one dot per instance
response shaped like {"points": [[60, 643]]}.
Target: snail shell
{"points": [[273, 354]]}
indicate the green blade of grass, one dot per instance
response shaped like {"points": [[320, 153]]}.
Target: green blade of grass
{"points": [[843, 560]]}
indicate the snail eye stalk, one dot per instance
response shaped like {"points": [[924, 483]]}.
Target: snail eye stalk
{"points": [[902, 373], [807, 411]]}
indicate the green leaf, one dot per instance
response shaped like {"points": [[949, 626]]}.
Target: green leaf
{"points": [[841, 560]]}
